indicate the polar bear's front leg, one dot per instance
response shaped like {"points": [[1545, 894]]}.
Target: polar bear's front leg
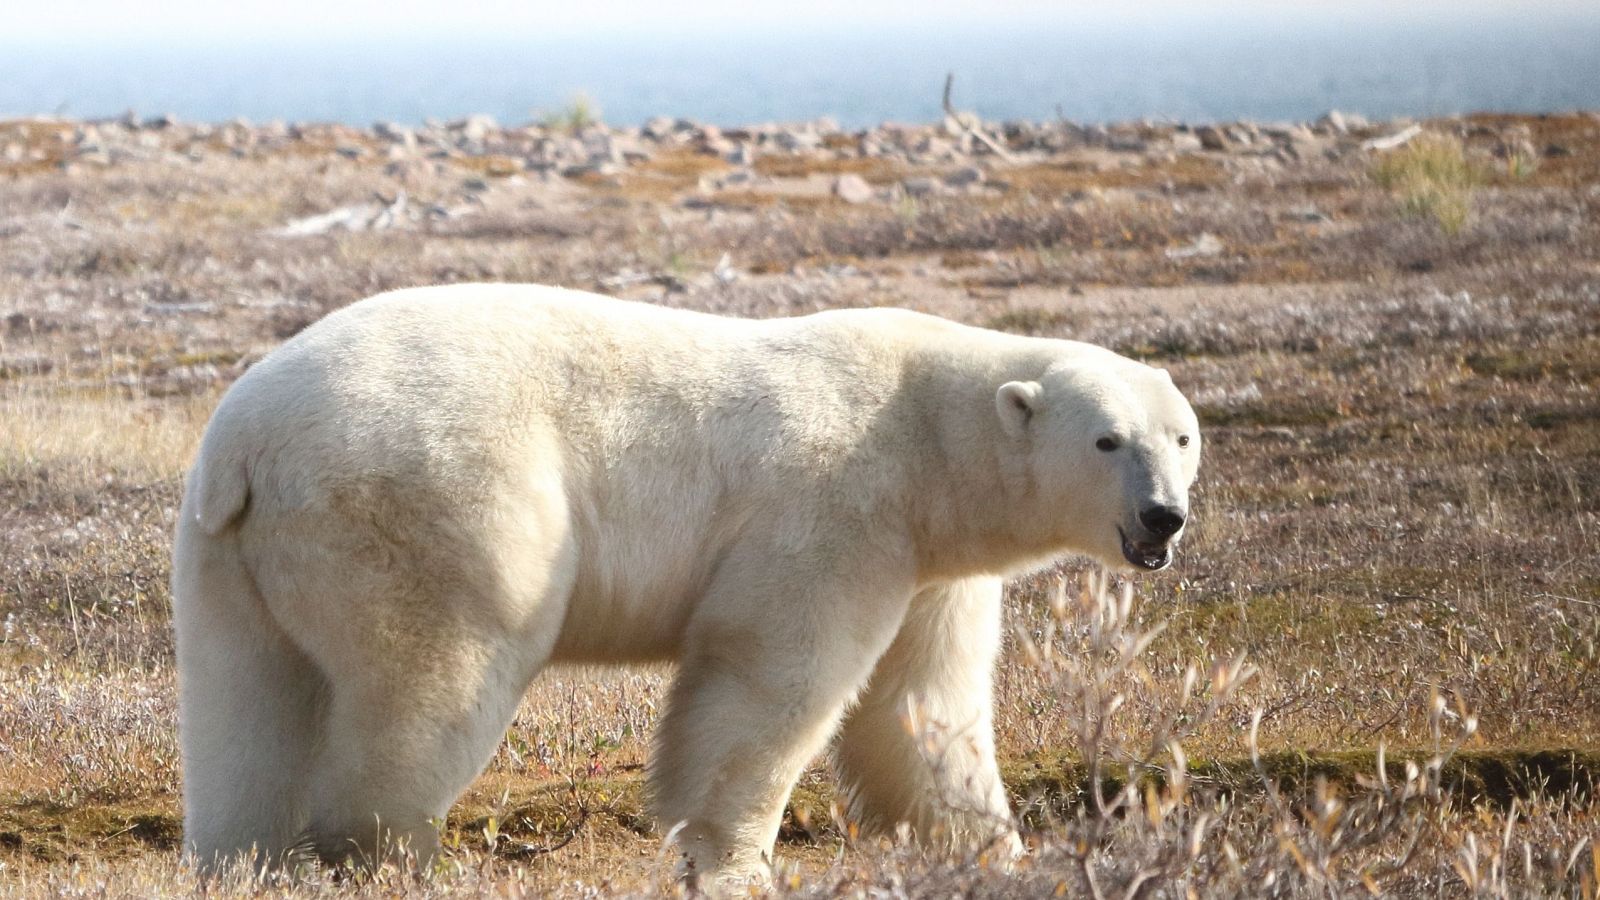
{"points": [[773, 657], [919, 748]]}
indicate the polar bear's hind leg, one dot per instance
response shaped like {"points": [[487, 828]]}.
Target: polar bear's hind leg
{"points": [[428, 637], [251, 707]]}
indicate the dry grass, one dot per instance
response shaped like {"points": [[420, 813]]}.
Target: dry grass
{"points": [[1431, 178], [1398, 502]]}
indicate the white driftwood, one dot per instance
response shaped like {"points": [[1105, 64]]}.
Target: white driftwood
{"points": [[1391, 141], [977, 133]]}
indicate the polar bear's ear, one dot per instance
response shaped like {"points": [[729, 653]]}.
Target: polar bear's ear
{"points": [[1017, 401]]}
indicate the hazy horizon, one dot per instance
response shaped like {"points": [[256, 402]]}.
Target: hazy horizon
{"points": [[182, 22], [1236, 63]]}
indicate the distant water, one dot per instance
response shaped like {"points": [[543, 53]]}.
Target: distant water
{"points": [[1199, 72]]}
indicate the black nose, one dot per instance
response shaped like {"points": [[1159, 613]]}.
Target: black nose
{"points": [[1162, 521]]}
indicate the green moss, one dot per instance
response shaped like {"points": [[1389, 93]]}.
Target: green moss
{"points": [[54, 831], [1047, 787], [212, 357], [542, 818], [1268, 614], [1030, 321], [1552, 419], [1268, 415]]}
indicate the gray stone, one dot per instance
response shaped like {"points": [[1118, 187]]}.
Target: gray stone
{"points": [[1308, 147], [658, 128], [1279, 130], [593, 168], [964, 176], [1306, 214], [475, 127], [1186, 142], [395, 133], [1126, 142], [797, 140], [935, 148]]}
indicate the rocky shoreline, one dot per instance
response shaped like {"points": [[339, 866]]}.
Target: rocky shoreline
{"points": [[962, 151]]}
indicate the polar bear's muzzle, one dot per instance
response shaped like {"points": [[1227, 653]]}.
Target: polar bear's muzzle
{"points": [[1148, 555], [1160, 526]]}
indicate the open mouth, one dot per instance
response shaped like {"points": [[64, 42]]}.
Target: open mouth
{"points": [[1146, 556]]}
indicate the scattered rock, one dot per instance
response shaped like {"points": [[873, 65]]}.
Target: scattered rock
{"points": [[964, 176], [20, 366], [1122, 142], [659, 128], [1303, 145], [1186, 142], [1213, 138], [1207, 244], [180, 309], [797, 140], [1306, 214], [475, 127], [1516, 142], [852, 189], [362, 217], [345, 218]]}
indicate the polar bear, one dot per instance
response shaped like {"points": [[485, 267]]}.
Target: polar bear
{"points": [[399, 517]]}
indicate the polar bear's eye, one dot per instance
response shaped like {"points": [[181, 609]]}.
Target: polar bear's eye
{"points": [[1106, 444], [1183, 440]]}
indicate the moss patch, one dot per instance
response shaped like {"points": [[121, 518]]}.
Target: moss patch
{"points": [[1046, 787], [53, 831]]}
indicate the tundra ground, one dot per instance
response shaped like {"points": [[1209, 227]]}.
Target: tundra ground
{"points": [[1396, 521]]}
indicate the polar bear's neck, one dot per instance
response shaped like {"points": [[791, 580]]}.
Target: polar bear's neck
{"points": [[972, 509]]}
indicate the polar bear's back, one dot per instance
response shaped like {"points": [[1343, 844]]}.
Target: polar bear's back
{"points": [[452, 386]]}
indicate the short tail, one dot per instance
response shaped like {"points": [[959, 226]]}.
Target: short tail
{"points": [[218, 487]]}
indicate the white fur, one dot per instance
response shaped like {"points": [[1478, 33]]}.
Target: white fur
{"points": [[405, 512]]}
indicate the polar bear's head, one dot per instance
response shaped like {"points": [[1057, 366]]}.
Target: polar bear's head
{"points": [[1109, 449]]}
